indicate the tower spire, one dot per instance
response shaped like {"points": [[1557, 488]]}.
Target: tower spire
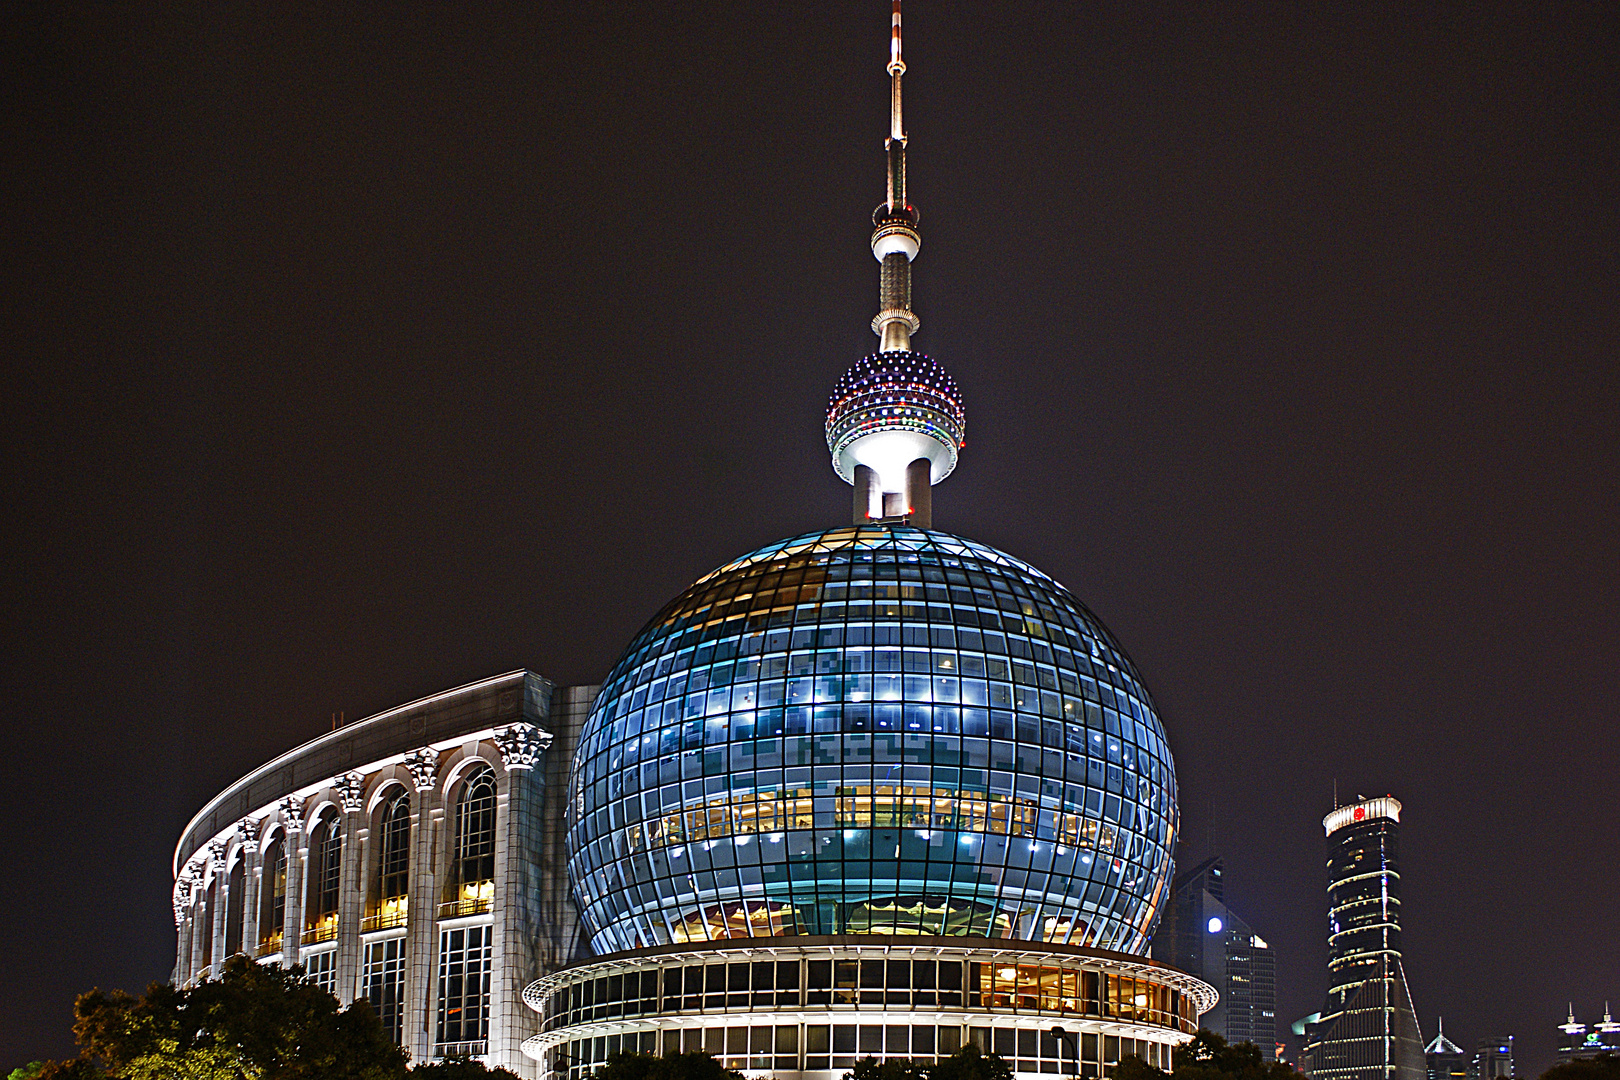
{"points": [[895, 239], [895, 419]]}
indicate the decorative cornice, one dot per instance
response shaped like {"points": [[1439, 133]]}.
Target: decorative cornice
{"points": [[292, 809], [521, 745], [424, 767], [351, 789]]}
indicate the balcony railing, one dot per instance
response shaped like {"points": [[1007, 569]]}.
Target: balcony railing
{"points": [[385, 919], [466, 905], [478, 1048], [472, 898], [270, 946], [324, 930]]}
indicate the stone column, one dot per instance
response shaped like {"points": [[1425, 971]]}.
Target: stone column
{"points": [[182, 927], [250, 885], [421, 944], [222, 900], [200, 926], [292, 923], [514, 955], [351, 789]]}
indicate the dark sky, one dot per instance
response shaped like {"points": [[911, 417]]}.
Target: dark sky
{"points": [[355, 352]]}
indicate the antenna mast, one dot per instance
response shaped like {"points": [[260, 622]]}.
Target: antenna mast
{"points": [[895, 240]]}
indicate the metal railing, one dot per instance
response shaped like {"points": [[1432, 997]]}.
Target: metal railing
{"points": [[325, 930], [383, 920], [477, 1048], [467, 905]]}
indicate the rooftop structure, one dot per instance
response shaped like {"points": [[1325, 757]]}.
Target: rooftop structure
{"points": [[1444, 1058]]}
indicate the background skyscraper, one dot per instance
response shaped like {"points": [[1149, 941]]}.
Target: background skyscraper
{"points": [[1202, 936], [1493, 1059], [1445, 1059], [1367, 1030], [1577, 1041]]}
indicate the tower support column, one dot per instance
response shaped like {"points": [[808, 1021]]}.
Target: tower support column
{"points": [[866, 491], [920, 493]]}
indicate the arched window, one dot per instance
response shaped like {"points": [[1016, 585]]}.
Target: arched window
{"points": [[234, 894], [393, 863], [325, 879], [475, 843], [273, 897]]}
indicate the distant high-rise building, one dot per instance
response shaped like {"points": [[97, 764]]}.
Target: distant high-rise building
{"points": [[1577, 1041], [1446, 1060], [1367, 1030], [1493, 1059], [1203, 937]]}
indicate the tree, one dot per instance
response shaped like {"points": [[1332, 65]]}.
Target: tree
{"points": [[969, 1063], [254, 1022], [692, 1065], [892, 1069], [1209, 1057], [1602, 1067]]}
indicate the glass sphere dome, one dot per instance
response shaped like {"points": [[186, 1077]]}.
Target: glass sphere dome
{"points": [[878, 730]]}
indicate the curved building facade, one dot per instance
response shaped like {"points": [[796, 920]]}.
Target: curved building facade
{"points": [[812, 1006], [874, 730], [412, 859]]}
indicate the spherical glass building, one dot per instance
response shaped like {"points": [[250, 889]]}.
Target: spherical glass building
{"points": [[876, 730]]}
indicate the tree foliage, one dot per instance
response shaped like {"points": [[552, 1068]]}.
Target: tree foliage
{"points": [[254, 1022], [1602, 1067], [968, 1063], [692, 1065], [1209, 1057]]}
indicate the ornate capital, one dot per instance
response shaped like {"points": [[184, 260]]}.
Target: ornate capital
{"points": [[182, 896], [424, 767], [351, 789], [521, 745], [293, 810], [216, 856], [249, 828]]}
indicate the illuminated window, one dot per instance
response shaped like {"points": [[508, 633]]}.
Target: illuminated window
{"points": [[273, 910], [325, 879], [392, 898], [234, 893], [475, 843]]}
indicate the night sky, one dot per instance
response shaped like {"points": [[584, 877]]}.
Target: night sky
{"points": [[354, 353]]}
